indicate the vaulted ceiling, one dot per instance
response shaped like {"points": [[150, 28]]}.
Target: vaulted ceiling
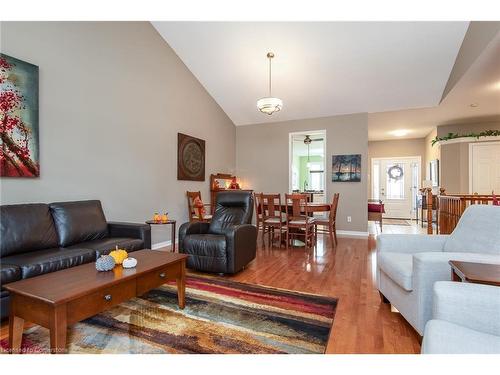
{"points": [[321, 68], [409, 76]]}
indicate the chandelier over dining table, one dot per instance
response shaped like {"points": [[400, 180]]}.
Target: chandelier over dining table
{"points": [[269, 104]]}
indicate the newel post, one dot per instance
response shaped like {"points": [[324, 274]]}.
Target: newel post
{"points": [[429, 210]]}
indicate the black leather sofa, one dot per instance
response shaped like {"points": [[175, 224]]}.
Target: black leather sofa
{"points": [[41, 238], [226, 244]]}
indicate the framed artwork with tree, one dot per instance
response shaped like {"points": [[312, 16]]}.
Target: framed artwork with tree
{"points": [[19, 144], [346, 168]]}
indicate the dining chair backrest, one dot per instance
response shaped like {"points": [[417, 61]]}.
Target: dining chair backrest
{"points": [[271, 205], [298, 207], [193, 211], [258, 206], [333, 208]]}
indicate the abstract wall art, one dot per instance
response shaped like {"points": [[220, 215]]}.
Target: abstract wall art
{"points": [[346, 168], [19, 145]]}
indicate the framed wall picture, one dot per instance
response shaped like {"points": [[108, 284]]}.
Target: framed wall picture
{"points": [[19, 144], [346, 168], [190, 158], [434, 172]]}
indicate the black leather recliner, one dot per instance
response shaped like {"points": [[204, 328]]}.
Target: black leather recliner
{"points": [[226, 244]]}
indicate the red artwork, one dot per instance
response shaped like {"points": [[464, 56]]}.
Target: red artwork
{"points": [[18, 118]]}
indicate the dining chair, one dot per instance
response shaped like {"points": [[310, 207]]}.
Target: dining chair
{"points": [[328, 221], [272, 217], [196, 207], [298, 221], [259, 209]]}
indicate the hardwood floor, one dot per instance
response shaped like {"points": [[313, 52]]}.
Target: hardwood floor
{"points": [[363, 324]]}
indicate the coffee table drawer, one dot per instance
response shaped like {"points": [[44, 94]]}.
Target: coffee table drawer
{"points": [[92, 304], [156, 278]]}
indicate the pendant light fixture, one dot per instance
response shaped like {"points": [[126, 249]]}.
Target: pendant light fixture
{"points": [[269, 104]]}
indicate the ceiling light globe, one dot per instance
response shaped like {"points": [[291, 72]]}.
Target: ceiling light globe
{"points": [[269, 105]]}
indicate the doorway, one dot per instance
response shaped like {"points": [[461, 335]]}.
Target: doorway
{"points": [[484, 167], [307, 164], [396, 181]]}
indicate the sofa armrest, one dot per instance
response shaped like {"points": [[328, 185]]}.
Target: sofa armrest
{"points": [[410, 243], [429, 268], [429, 264], [472, 306], [195, 227], [133, 230], [241, 245]]}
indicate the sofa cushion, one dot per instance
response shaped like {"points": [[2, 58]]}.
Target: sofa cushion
{"points": [[212, 245], [9, 273], [79, 221], [26, 227], [105, 245], [49, 260], [398, 266], [478, 231], [442, 337]]}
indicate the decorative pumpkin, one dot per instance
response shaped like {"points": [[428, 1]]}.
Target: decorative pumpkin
{"points": [[118, 255], [105, 263], [129, 263], [156, 217]]}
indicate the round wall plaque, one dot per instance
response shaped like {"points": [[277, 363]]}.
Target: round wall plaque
{"points": [[190, 158]]}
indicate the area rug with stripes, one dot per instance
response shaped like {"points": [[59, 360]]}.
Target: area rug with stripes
{"points": [[221, 316]]}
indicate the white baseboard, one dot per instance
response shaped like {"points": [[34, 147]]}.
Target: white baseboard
{"points": [[340, 233], [351, 233], [159, 245]]}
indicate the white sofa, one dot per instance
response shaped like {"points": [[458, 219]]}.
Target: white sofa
{"points": [[465, 320], [408, 265]]}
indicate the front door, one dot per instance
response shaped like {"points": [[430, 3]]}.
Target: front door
{"points": [[395, 181]]}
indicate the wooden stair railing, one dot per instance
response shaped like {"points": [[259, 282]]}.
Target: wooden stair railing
{"points": [[452, 206]]}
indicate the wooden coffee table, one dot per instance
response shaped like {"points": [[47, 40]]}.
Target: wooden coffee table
{"points": [[479, 273], [59, 299]]}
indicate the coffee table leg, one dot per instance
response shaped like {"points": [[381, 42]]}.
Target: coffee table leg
{"points": [[58, 328], [181, 286], [16, 326]]}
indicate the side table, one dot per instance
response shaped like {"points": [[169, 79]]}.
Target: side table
{"points": [[168, 222], [479, 273]]}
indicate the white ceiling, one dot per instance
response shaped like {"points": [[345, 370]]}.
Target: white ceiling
{"points": [[480, 85], [321, 68]]}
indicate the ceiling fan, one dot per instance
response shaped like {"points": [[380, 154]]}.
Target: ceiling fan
{"points": [[307, 140]]}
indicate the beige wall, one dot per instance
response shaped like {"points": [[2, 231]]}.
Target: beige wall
{"points": [[113, 96], [443, 130], [455, 167], [431, 152], [262, 160], [454, 157], [396, 148]]}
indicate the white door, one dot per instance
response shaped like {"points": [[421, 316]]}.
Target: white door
{"points": [[395, 181], [485, 167]]}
